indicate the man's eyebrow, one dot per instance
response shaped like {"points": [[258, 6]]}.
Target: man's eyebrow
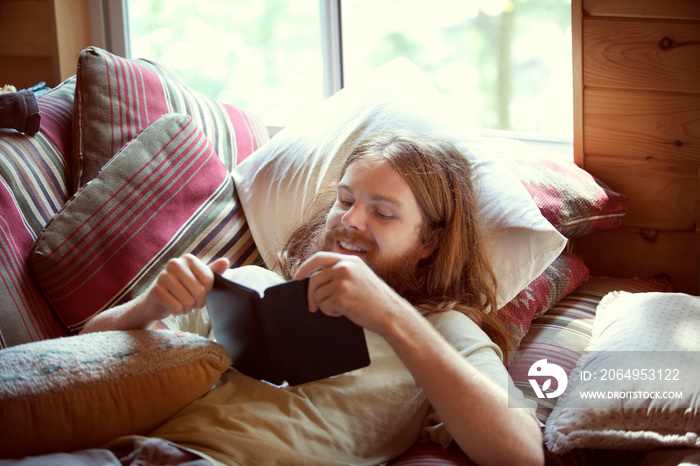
{"points": [[375, 196]]}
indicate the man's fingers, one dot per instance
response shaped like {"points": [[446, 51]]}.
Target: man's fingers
{"points": [[183, 298], [320, 260]]}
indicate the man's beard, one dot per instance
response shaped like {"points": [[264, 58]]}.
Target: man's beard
{"points": [[400, 272]]}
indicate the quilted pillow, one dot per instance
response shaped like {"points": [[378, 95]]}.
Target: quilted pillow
{"points": [[644, 362], [34, 185], [573, 200], [165, 194], [560, 278], [117, 98], [563, 332], [66, 394]]}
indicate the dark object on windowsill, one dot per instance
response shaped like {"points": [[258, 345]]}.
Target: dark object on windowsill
{"points": [[19, 111]]}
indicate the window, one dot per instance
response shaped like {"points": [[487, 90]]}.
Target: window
{"points": [[505, 63]]}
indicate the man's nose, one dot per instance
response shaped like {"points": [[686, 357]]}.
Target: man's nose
{"points": [[354, 218]]}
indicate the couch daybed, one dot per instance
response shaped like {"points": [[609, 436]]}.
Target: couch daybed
{"points": [[130, 168]]}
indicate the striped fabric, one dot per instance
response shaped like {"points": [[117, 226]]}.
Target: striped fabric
{"points": [[34, 185], [166, 193], [117, 98], [562, 333]]}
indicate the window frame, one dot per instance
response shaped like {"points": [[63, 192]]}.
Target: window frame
{"points": [[109, 30]]}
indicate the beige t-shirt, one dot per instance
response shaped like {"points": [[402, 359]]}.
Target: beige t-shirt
{"points": [[367, 416]]}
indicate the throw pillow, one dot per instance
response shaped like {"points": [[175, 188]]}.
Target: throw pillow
{"points": [[573, 200], [67, 394], [165, 194], [637, 385], [560, 278], [117, 98], [278, 183], [34, 185]]}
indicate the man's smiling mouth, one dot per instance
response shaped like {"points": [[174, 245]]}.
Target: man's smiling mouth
{"points": [[350, 247]]}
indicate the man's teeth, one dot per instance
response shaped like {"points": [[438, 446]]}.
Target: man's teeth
{"points": [[350, 247]]}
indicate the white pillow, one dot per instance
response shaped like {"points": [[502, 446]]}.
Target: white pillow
{"points": [[277, 183], [637, 384]]}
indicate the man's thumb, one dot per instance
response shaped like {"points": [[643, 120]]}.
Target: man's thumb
{"points": [[220, 265]]}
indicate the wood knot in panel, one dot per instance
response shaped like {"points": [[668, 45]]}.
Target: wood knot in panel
{"points": [[667, 43], [649, 235]]}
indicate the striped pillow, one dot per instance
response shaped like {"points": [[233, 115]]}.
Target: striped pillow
{"points": [[561, 334], [165, 194], [117, 98], [34, 185]]}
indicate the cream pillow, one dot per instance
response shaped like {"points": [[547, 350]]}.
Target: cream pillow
{"points": [[637, 384], [279, 181]]}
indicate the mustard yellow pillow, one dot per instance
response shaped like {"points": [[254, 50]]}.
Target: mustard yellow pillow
{"points": [[82, 391]]}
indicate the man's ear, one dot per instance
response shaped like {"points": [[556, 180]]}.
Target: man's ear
{"points": [[432, 243]]}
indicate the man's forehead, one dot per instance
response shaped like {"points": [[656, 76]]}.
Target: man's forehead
{"points": [[391, 189]]}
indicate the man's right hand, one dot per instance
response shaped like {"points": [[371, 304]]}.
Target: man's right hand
{"points": [[182, 286]]}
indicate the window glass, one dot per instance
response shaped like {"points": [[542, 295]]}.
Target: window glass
{"points": [[506, 64], [263, 55]]}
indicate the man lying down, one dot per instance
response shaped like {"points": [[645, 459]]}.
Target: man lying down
{"points": [[398, 252]]}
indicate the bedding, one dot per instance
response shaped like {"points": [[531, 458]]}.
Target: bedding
{"points": [[551, 315]]}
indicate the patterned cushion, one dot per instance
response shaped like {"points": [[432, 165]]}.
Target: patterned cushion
{"points": [[165, 194], [563, 332], [65, 394], [34, 185], [573, 200], [563, 276], [117, 98]]}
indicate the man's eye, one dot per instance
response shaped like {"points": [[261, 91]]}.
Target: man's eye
{"points": [[345, 203], [381, 215]]}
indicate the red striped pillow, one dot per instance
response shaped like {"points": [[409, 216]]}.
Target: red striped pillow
{"points": [[165, 194], [117, 98], [34, 185]]}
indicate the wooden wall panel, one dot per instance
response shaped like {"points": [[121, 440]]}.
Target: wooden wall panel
{"points": [[40, 40], [26, 28], [660, 196], [644, 254], [73, 38], [657, 9], [639, 132], [24, 71], [642, 125], [639, 54]]}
